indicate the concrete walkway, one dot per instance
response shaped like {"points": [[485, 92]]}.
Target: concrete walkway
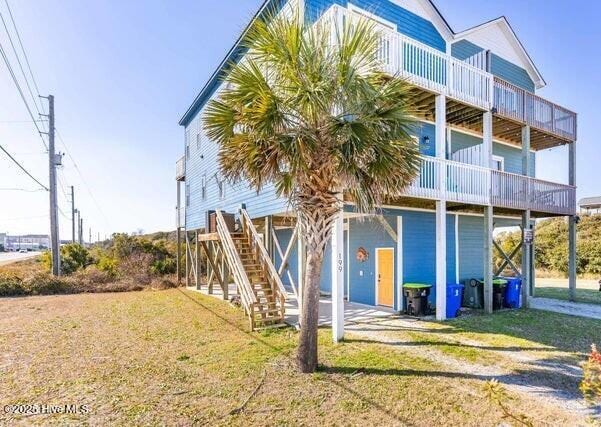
{"points": [[592, 311]]}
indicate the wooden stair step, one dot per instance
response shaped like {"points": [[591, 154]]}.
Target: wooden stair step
{"points": [[268, 310]]}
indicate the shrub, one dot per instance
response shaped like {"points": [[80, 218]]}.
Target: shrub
{"points": [[591, 381], [73, 257], [46, 284], [11, 285]]}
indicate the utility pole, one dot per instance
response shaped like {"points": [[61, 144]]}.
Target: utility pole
{"points": [[81, 231], [72, 215], [53, 161], [90, 234]]}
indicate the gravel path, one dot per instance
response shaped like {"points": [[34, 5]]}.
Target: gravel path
{"points": [[554, 382], [566, 307]]}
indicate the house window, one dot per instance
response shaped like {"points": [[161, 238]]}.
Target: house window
{"points": [[203, 188], [187, 195], [187, 152], [498, 163], [221, 184], [198, 141]]}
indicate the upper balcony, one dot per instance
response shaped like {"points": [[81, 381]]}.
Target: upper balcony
{"points": [[180, 169], [469, 89]]}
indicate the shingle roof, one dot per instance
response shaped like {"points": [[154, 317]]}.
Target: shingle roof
{"points": [[590, 201]]}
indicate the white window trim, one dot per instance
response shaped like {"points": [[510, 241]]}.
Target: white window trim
{"points": [[501, 160], [203, 189], [362, 12]]}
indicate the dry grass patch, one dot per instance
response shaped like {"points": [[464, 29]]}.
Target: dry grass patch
{"points": [[179, 358]]}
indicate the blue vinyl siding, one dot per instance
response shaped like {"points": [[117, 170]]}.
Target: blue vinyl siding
{"points": [[407, 22], [426, 130], [512, 155], [203, 161], [419, 252], [326, 271], [471, 247], [499, 67], [367, 233]]}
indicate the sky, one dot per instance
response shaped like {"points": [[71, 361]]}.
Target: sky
{"points": [[124, 72]]}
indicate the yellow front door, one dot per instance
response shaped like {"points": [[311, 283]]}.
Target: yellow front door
{"points": [[385, 276]]}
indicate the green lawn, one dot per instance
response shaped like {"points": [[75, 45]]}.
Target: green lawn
{"points": [[176, 357], [590, 296]]}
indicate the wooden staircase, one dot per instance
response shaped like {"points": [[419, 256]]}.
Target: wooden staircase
{"points": [[261, 291]]}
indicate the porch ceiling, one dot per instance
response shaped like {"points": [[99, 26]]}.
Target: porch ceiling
{"points": [[462, 116]]}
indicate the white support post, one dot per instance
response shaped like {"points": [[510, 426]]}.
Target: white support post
{"points": [[441, 260], [488, 273], [441, 211], [487, 132], [572, 227], [487, 140], [338, 277], [526, 226]]}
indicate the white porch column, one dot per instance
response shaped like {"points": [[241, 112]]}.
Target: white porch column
{"points": [[441, 211], [488, 212], [526, 244], [572, 227], [338, 277]]}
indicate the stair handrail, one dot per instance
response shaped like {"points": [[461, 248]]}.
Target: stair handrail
{"points": [[235, 263], [265, 258]]}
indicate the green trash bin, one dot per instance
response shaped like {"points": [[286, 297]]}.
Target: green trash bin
{"points": [[416, 298]]}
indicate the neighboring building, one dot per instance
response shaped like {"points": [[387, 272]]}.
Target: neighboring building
{"points": [[590, 204], [2, 241], [30, 242], [479, 137]]}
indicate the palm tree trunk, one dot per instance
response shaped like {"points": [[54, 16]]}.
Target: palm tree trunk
{"points": [[309, 316]]}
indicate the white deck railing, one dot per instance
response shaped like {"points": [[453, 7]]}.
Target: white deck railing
{"points": [[423, 65], [472, 184], [439, 72], [180, 168], [517, 104]]}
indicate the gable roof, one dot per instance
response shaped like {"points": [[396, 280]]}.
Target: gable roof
{"points": [[503, 24], [439, 22]]}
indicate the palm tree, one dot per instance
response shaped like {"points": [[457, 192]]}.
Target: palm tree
{"points": [[309, 110]]}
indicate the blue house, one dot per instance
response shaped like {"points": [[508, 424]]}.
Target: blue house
{"points": [[482, 125]]}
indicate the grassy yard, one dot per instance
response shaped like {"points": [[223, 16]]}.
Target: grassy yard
{"points": [[176, 357], [589, 296]]}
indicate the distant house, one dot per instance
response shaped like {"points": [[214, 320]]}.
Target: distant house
{"points": [[482, 124], [590, 204]]}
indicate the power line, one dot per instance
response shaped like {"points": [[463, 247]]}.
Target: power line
{"points": [[35, 84], [23, 168], [17, 56], [16, 82], [83, 179], [21, 189]]}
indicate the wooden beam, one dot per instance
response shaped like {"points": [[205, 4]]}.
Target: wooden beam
{"points": [[214, 269]]}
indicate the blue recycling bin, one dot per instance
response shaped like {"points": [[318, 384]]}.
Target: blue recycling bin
{"points": [[454, 298], [513, 292]]}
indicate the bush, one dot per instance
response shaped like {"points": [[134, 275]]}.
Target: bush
{"points": [[11, 285], [47, 284], [73, 257], [591, 381]]}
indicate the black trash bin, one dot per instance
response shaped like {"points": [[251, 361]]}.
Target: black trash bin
{"points": [[416, 298], [498, 293]]}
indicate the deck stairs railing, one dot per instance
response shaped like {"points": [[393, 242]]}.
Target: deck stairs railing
{"points": [[262, 299]]}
